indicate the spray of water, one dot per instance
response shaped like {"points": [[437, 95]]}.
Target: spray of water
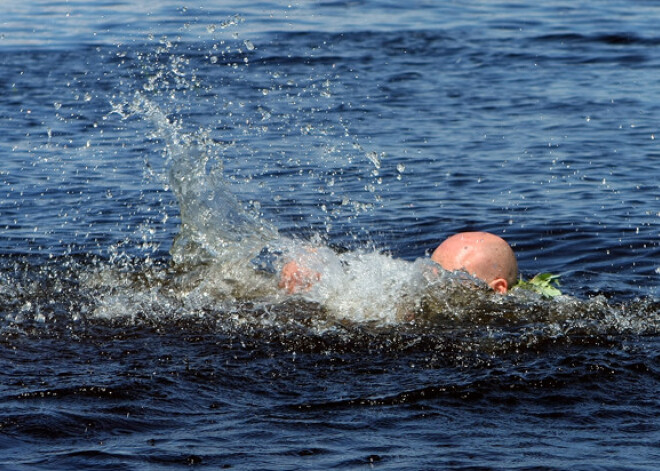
{"points": [[215, 226]]}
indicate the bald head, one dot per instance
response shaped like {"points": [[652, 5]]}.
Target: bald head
{"points": [[482, 255]]}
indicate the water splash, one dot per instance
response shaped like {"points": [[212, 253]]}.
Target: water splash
{"points": [[215, 226]]}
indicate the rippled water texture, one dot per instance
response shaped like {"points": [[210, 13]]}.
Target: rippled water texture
{"points": [[160, 163]]}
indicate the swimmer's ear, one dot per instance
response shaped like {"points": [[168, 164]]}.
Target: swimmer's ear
{"points": [[499, 285]]}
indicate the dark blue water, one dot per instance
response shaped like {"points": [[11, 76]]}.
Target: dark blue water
{"points": [[160, 161]]}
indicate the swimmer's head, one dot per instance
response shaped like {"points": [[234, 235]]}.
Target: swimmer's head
{"points": [[482, 255]]}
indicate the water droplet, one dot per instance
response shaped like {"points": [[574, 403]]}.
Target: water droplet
{"points": [[373, 157]]}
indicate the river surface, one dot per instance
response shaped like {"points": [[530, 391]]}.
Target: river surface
{"points": [[161, 161]]}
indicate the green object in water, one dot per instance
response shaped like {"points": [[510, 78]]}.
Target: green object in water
{"points": [[544, 283]]}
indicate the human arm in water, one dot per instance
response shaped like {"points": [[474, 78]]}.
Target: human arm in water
{"points": [[296, 278]]}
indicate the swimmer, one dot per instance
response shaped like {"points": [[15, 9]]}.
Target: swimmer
{"points": [[481, 254]]}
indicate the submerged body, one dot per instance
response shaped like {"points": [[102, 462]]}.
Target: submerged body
{"points": [[482, 255]]}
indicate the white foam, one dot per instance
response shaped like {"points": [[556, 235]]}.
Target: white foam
{"points": [[361, 286]]}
